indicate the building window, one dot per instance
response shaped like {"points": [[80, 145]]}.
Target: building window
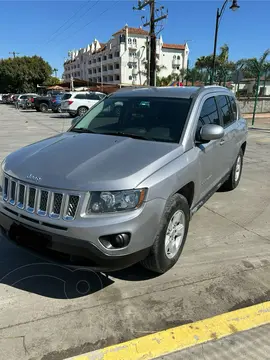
{"points": [[178, 57], [130, 77], [135, 42], [130, 66], [116, 54], [177, 67], [129, 41], [99, 59], [99, 70], [116, 66], [110, 56], [94, 61], [89, 62], [95, 71], [104, 57], [81, 58], [89, 71], [105, 79], [174, 57]]}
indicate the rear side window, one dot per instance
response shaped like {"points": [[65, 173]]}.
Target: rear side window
{"points": [[209, 113], [224, 105], [234, 107], [93, 97], [81, 96], [66, 96]]}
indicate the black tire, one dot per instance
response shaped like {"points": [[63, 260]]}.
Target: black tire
{"points": [[157, 260], [82, 110], [43, 107], [233, 181], [59, 110]]}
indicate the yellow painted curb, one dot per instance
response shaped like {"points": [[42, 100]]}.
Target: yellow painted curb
{"points": [[182, 337]]}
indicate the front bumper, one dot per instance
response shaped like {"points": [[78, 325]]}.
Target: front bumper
{"points": [[78, 240]]}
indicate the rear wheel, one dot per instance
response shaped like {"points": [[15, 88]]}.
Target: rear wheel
{"points": [[235, 175], [171, 237], [82, 110], [44, 107]]}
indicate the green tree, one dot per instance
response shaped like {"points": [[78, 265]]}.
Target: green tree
{"points": [[51, 81], [224, 67], [23, 74]]}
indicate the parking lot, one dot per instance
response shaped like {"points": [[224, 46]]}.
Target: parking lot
{"points": [[49, 312]]}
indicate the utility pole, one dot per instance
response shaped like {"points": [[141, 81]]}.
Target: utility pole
{"points": [[152, 34], [14, 53]]}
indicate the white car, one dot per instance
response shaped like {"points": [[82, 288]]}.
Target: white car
{"points": [[78, 103]]}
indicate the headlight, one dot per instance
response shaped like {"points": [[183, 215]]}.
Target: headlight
{"points": [[112, 201]]}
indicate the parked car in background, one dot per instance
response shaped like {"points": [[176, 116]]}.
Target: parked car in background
{"points": [[78, 103], [44, 103], [20, 99]]}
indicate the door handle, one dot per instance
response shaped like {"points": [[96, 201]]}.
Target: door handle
{"points": [[222, 141]]}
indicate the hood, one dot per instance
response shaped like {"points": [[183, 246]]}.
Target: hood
{"points": [[77, 161]]}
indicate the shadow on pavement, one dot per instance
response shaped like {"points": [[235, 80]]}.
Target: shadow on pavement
{"points": [[30, 272]]}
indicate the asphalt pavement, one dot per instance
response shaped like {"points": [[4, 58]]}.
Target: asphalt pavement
{"points": [[50, 312]]}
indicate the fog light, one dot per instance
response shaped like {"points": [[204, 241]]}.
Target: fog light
{"points": [[116, 241]]}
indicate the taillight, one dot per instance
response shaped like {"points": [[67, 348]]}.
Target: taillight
{"points": [[70, 102], [32, 99], [53, 100]]}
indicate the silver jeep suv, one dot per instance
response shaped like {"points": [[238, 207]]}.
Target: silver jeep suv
{"points": [[121, 187]]}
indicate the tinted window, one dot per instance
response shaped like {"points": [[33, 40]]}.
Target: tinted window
{"points": [[225, 109], [209, 113], [81, 96], [92, 97], [66, 96], [156, 119], [234, 107]]}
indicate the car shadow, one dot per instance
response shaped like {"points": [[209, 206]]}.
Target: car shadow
{"points": [[33, 273], [60, 116]]}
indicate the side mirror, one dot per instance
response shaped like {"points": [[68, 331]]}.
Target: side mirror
{"points": [[211, 132]]}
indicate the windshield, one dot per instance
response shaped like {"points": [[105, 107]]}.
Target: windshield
{"points": [[153, 118]]}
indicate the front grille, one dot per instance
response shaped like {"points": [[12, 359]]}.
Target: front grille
{"points": [[44, 202]]}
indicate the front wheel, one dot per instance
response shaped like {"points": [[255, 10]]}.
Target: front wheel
{"points": [[235, 174], [171, 236]]}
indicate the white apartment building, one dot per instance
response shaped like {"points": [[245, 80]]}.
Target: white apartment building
{"points": [[124, 59]]}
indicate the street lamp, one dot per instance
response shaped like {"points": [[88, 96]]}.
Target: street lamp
{"points": [[233, 7]]}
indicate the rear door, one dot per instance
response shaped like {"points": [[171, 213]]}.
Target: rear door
{"points": [[228, 144]]}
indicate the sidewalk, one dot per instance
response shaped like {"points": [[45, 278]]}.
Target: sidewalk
{"points": [[252, 344], [262, 121]]}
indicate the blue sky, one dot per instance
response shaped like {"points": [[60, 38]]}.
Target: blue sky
{"points": [[41, 27]]}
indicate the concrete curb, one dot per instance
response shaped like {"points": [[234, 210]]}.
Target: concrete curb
{"points": [[183, 337]]}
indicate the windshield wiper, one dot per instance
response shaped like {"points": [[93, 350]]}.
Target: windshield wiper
{"points": [[83, 131], [121, 133]]}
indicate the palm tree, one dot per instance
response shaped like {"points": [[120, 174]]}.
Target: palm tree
{"points": [[55, 72], [257, 68]]}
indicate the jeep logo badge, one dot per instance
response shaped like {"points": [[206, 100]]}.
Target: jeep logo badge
{"points": [[33, 178]]}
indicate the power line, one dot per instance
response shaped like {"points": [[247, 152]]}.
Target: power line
{"points": [[91, 7], [90, 22], [14, 53]]}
